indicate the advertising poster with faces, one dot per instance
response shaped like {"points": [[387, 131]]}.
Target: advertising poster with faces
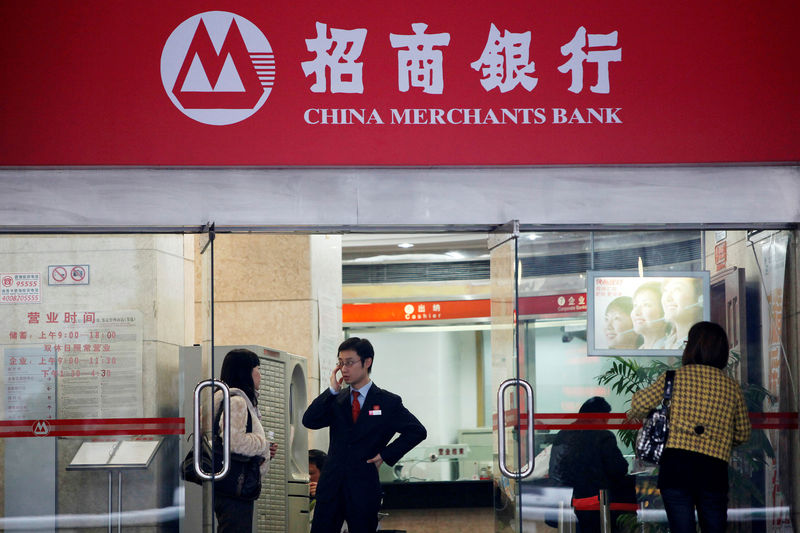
{"points": [[649, 315]]}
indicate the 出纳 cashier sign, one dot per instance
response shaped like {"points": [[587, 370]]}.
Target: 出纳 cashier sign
{"points": [[408, 83]]}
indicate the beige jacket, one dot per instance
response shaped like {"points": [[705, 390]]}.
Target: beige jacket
{"points": [[253, 443]]}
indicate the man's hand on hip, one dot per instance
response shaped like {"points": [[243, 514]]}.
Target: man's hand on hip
{"points": [[377, 461]]}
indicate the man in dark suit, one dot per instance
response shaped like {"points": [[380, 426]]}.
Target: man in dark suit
{"points": [[362, 419]]}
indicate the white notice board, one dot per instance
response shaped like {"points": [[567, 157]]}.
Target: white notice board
{"points": [[114, 454], [99, 373]]}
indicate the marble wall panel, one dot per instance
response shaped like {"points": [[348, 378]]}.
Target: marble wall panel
{"points": [[188, 289], [164, 359], [326, 265], [251, 267], [257, 275], [170, 298], [326, 288], [283, 325]]}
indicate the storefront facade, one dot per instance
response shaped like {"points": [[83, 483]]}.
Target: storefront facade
{"points": [[120, 176]]}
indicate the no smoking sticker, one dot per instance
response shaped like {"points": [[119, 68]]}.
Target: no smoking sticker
{"points": [[68, 275]]}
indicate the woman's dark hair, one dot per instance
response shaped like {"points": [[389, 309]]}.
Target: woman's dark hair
{"points": [[706, 344], [595, 404], [237, 371]]}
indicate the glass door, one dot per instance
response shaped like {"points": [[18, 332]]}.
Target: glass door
{"points": [[90, 423], [200, 500], [514, 397]]}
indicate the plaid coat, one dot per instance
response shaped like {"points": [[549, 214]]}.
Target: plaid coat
{"points": [[707, 414]]}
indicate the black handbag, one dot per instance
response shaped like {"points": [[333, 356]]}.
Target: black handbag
{"points": [[655, 429], [243, 480], [188, 472]]}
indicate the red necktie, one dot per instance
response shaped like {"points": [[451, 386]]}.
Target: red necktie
{"points": [[356, 406]]}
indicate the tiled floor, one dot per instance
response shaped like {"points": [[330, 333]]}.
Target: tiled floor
{"points": [[440, 520]]}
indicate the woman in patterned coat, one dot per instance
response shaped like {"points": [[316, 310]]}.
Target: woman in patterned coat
{"points": [[707, 418]]}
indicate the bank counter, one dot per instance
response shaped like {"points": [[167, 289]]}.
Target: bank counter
{"points": [[437, 494]]}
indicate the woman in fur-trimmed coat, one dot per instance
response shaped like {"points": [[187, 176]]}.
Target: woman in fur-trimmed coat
{"points": [[240, 371]]}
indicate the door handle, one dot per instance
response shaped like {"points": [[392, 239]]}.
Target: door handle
{"points": [[226, 433], [501, 429]]}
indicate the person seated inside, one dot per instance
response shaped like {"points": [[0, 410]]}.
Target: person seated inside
{"points": [[589, 460], [316, 460]]}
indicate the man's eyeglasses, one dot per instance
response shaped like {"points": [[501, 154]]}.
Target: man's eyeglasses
{"points": [[349, 362]]}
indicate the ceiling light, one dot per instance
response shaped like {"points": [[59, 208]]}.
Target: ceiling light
{"points": [[455, 255], [533, 236], [405, 245]]}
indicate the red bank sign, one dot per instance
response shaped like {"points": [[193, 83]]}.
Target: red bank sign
{"points": [[410, 83]]}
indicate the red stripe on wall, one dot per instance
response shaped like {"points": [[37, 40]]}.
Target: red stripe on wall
{"points": [[91, 427], [782, 420]]}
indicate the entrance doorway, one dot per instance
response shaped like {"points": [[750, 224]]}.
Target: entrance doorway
{"points": [[475, 311]]}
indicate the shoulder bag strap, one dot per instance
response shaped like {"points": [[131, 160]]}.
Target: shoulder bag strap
{"points": [[669, 382], [215, 426]]}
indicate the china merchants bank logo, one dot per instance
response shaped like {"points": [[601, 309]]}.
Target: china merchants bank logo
{"points": [[218, 68], [41, 428]]}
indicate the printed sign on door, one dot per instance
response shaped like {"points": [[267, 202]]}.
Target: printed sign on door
{"points": [[20, 287], [68, 275]]}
